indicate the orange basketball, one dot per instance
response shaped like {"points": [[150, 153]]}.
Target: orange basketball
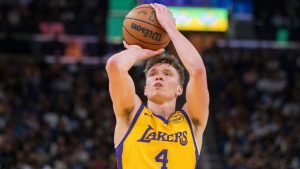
{"points": [[141, 27]]}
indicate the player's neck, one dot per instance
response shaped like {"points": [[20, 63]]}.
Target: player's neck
{"points": [[165, 109]]}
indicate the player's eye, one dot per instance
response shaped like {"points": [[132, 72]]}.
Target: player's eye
{"points": [[168, 74], [151, 74]]}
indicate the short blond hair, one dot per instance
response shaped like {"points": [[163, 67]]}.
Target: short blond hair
{"points": [[168, 59]]}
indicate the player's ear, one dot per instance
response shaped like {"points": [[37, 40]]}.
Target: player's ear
{"points": [[179, 90], [145, 90]]}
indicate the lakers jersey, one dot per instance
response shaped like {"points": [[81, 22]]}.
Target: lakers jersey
{"points": [[153, 142]]}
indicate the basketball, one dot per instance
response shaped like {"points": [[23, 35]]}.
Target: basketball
{"points": [[141, 27]]}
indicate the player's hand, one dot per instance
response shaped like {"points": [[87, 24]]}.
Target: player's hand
{"points": [[142, 53], [164, 16]]}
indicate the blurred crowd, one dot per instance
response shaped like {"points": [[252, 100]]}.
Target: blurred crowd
{"points": [[255, 106], [273, 17], [89, 17], [70, 16], [55, 116]]}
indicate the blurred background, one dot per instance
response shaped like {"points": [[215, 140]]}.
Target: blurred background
{"points": [[55, 110]]}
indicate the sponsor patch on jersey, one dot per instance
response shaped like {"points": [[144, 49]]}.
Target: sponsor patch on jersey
{"points": [[176, 119], [147, 114]]}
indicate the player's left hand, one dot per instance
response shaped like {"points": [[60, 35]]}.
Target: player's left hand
{"points": [[141, 52], [164, 16]]}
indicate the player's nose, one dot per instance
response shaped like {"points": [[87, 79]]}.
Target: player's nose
{"points": [[158, 77]]}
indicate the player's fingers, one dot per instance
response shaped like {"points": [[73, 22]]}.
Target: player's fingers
{"points": [[159, 51], [162, 8], [152, 5], [130, 46], [155, 9], [125, 44], [158, 7], [170, 12], [149, 53]]}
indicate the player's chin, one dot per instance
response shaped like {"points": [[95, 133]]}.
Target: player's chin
{"points": [[155, 97], [158, 97], [156, 93]]}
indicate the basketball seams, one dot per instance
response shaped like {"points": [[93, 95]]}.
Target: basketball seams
{"points": [[142, 7], [141, 27], [147, 23], [142, 40]]}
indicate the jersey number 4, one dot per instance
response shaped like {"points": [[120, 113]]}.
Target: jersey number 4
{"points": [[162, 157]]}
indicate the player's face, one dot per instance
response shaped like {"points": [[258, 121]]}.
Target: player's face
{"points": [[162, 83]]}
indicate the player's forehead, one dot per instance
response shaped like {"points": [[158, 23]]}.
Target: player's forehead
{"points": [[161, 67]]}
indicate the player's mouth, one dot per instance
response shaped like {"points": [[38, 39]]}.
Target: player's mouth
{"points": [[158, 84]]}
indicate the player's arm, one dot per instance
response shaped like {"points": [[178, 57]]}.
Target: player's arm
{"points": [[197, 96], [121, 86]]}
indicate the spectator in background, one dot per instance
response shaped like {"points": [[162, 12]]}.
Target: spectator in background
{"points": [[255, 130]]}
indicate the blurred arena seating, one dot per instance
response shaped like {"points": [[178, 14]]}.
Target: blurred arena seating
{"points": [[255, 106], [55, 110]]}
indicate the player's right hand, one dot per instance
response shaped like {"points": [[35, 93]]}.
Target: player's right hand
{"points": [[164, 16]]}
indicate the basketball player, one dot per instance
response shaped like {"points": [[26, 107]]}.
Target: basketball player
{"points": [[156, 136]]}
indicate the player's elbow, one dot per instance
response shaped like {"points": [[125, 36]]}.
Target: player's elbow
{"points": [[198, 71], [112, 65]]}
